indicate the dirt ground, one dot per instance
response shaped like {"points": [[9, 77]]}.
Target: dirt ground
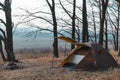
{"points": [[39, 67]]}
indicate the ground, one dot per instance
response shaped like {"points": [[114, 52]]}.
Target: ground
{"points": [[39, 66]]}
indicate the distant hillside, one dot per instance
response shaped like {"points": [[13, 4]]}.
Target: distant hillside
{"points": [[22, 40]]}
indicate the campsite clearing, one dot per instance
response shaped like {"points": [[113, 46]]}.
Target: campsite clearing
{"points": [[39, 67]]}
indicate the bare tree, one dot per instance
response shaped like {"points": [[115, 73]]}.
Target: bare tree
{"points": [[52, 9], [103, 8], [8, 35], [93, 18], [113, 15]]}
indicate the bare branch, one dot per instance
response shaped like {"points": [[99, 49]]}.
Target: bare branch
{"points": [[49, 4], [29, 20], [2, 22], [65, 9], [39, 29], [42, 12], [35, 17], [111, 21], [3, 32], [32, 13], [1, 5], [66, 31], [70, 2], [43, 19], [67, 22]]}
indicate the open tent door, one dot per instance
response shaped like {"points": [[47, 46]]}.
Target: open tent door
{"points": [[73, 61], [77, 58]]}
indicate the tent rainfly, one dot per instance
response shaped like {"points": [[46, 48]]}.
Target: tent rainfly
{"points": [[88, 56]]}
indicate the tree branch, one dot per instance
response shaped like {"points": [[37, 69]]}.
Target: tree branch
{"points": [[1, 5], [67, 22], [36, 17], [39, 29], [3, 32], [65, 9], [2, 22], [43, 19], [49, 4]]}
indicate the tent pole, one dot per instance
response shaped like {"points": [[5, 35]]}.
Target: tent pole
{"points": [[65, 51]]}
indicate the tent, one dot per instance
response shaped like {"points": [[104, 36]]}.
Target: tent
{"points": [[87, 56]]}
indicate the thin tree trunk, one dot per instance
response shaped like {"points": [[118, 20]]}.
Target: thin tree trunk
{"points": [[55, 46], [102, 20], [95, 35], [118, 30], [73, 23], [85, 37], [106, 35]]}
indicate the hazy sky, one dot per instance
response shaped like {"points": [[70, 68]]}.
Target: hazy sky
{"points": [[25, 4], [32, 4], [28, 4]]}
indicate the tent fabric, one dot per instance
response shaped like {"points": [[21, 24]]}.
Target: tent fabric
{"points": [[95, 57], [67, 39]]}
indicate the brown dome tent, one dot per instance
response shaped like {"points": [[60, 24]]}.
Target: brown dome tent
{"points": [[87, 56]]}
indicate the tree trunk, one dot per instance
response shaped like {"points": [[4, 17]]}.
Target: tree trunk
{"points": [[85, 37], [95, 35], [106, 35], [102, 20], [118, 30], [73, 23], [9, 27], [55, 30]]}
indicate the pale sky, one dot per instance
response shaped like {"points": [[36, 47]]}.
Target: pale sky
{"points": [[26, 4], [32, 6]]}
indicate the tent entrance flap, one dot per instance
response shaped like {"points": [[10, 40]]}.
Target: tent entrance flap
{"points": [[73, 61], [77, 58]]}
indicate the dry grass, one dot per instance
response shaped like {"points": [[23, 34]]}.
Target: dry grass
{"points": [[39, 67]]}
